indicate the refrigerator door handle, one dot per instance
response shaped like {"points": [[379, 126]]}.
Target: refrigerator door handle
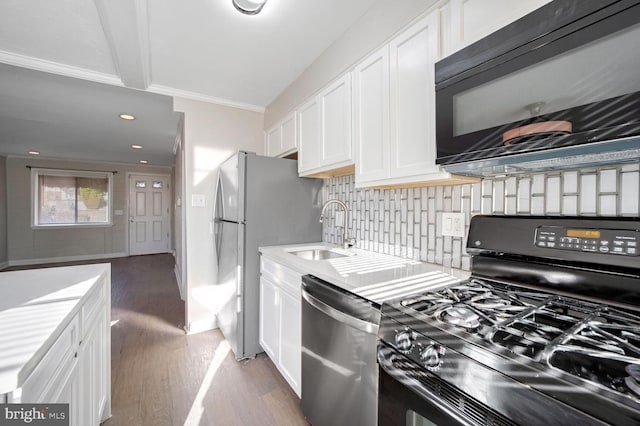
{"points": [[217, 226], [219, 201]]}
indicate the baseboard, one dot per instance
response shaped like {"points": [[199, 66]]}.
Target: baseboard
{"points": [[25, 262], [179, 281], [4, 265], [202, 325]]}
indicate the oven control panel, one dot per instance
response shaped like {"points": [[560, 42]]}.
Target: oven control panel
{"points": [[604, 241]]}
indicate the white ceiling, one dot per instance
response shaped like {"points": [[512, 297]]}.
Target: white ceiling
{"points": [[199, 49]]}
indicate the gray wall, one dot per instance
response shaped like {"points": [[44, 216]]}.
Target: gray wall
{"points": [[4, 255], [28, 245], [377, 25]]}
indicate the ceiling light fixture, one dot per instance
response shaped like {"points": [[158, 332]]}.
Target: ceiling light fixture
{"points": [[136, 146], [127, 116], [249, 7], [34, 152], [143, 161]]}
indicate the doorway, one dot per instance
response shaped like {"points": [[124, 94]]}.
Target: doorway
{"points": [[149, 231]]}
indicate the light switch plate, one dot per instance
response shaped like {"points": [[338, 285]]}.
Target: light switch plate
{"points": [[197, 200], [453, 224], [118, 212]]}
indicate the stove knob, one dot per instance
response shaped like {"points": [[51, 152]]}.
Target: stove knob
{"points": [[431, 356], [404, 341]]}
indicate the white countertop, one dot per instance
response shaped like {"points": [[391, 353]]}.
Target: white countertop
{"points": [[375, 276], [35, 307]]}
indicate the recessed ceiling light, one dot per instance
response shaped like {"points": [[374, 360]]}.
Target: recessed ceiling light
{"points": [[143, 161], [136, 146], [34, 152], [127, 116]]}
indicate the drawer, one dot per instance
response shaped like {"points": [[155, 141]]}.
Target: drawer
{"points": [[281, 275], [39, 382], [92, 307]]}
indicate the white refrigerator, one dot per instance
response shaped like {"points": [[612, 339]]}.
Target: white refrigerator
{"points": [[259, 201]]}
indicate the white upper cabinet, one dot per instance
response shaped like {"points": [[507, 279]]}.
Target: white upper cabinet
{"points": [[394, 109], [371, 116], [309, 150], [324, 130], [281, 140], [289, 139], [412, 101], [273, 141], [471, 20]]}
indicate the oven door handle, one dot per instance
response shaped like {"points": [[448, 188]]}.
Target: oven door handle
{"points": [[358, 324]]}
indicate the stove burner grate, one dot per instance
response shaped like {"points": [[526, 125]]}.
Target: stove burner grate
{"points": [[585, 339]]}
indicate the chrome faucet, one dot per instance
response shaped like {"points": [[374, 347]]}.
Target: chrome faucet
{"points": [[346, 242]]}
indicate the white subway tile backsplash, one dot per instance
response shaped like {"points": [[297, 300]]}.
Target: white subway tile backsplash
{"points": [[408, 222], [588, 194], [570, 182], [608, 181], [537, 205], [498, 197], [553, 195], [510, 205], [524, 196], [630, 188], [537, 185], [570, 205], [608, 205], [476, 197]]}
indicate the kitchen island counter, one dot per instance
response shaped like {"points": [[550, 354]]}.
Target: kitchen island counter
{"points": [[36, 306]]}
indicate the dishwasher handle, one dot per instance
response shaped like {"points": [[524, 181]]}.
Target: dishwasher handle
{"points": [[358, 324]]}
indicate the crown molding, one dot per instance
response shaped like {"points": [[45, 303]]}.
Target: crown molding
{"points": [[57, 68], [98, 77], [170, 91]]}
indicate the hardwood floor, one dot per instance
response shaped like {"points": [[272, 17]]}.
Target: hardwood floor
{"points": [[160, 376]]}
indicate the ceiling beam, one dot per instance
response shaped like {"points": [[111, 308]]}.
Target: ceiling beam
{"points": [[126, 27]]}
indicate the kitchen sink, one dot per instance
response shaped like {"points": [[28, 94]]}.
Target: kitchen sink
{"points": [[317, 254]]}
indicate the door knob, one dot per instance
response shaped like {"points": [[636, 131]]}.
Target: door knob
{"points": [[131, 219]]}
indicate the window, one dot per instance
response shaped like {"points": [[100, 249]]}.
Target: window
{"points": [[71, 198]]}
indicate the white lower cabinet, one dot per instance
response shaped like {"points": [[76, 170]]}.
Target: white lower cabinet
{"points": [[269, 318], [280, 319], [290, 339], [92, 373], [76, 367]]}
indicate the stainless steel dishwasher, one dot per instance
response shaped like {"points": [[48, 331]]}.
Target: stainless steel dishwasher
{"points": [[339, 370]]}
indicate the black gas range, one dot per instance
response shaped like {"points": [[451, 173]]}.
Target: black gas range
{"points": [[546, 331]]}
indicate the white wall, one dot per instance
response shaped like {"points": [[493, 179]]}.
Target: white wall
{"points": [[376, 26], [30, 246], [4, 254], [178, 203], [212, 133]]}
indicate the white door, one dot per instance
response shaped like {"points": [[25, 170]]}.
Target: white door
{"points": [[148, 214]]}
